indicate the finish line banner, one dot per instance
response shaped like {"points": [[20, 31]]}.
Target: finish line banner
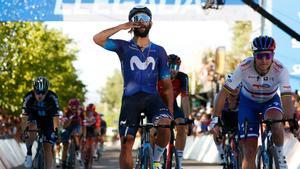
{"points": [[102, 10]]}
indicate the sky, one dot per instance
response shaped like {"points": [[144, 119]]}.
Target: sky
{"points": [[187, 39]]}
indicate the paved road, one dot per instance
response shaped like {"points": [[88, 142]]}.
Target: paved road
{"points": [[111, 156]]}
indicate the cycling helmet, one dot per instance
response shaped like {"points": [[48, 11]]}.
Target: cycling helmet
{"points": [[74, 103], [41, 84], [263, 43], [174, 59], [139, 9], [91, 107]]}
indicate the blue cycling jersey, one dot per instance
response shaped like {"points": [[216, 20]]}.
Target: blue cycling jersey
{"points": [[141, 69]]}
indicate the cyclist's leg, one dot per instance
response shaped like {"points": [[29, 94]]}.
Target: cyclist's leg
{"points": [[48, 148], [65, 136], [180, 134], [273, 111], [248, 110], [159, 113], [130, 112], [32, 125]]}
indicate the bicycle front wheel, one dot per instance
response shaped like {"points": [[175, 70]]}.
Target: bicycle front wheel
{"points": [[265, 160], [147, 159]]}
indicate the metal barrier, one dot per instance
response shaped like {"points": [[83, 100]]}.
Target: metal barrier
{"points": [[203, 149]]}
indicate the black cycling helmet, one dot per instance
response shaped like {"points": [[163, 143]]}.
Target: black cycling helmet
{"points": [[139, 9], [41, 84], [174, 60], [263, 43]]}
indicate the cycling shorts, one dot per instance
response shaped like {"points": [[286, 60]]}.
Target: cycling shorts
{"points": [[133, 106], [178, 113], [249, 109], [65, 135]]}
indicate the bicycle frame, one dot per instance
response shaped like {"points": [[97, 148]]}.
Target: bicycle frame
{"points": [[266, 143], [231, 150]]}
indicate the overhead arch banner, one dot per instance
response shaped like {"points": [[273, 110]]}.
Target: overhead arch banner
{"points": [[288, 48], [112, 10]]}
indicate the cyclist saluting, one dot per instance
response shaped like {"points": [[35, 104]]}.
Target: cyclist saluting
{"points": [[40, 109], [142, 63], [261, 76]]}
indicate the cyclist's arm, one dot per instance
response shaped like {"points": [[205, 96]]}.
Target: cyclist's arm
{"points": [[56, 122], [286, 94], [220, 101], [185, 102], [101, 37], [168, 93]]}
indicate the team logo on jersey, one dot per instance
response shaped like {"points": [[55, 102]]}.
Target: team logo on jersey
{"points": [[141, 65], [261, 86]]}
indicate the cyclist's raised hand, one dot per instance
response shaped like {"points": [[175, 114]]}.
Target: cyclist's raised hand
{"points": [[129, 25]]}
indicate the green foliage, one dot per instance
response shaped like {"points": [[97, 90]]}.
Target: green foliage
{"points": [[240, 44], [111, 95], [28, 50]]}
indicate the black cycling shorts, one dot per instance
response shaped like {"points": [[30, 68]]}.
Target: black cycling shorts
{"points": [[133, 106]]}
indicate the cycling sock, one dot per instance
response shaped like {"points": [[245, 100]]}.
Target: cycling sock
{"points": [[180, 158], [158, 151], [29, 146]]}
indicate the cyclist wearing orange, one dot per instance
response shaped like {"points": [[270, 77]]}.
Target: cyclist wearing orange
{"points": [[72, 122], [40, 111], [90, 129], [91, 108]]}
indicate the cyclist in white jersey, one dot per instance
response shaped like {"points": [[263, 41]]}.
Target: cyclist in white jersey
{"points": [[261, 76]]}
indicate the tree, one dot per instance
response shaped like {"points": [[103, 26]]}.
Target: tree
{"points": [[28, 50], [111, 95], [240, 44]]}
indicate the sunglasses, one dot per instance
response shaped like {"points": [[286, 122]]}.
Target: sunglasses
{"points": [[40, 92], [141, 17], [174, 67], [260, 56]]}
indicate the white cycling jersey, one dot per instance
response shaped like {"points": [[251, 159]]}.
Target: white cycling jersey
{"points": [[259, 88]]}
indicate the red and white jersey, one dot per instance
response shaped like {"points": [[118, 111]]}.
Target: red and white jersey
{"points": [[256, 87]]}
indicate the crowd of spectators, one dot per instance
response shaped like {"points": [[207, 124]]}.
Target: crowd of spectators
{"points": [[9, 126]]}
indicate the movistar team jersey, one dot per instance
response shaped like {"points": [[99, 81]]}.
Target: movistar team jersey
{"points": [[141, 69], [259, 88]]}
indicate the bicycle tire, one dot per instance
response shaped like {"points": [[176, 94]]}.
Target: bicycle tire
{"points": [[164, 159], [258, 158], [38, 161], [275, 159], [147, 158], [176, 158], [138, 160], [88, 160], [228, 158], [169, 157], [71, 155], [239, 158]]}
